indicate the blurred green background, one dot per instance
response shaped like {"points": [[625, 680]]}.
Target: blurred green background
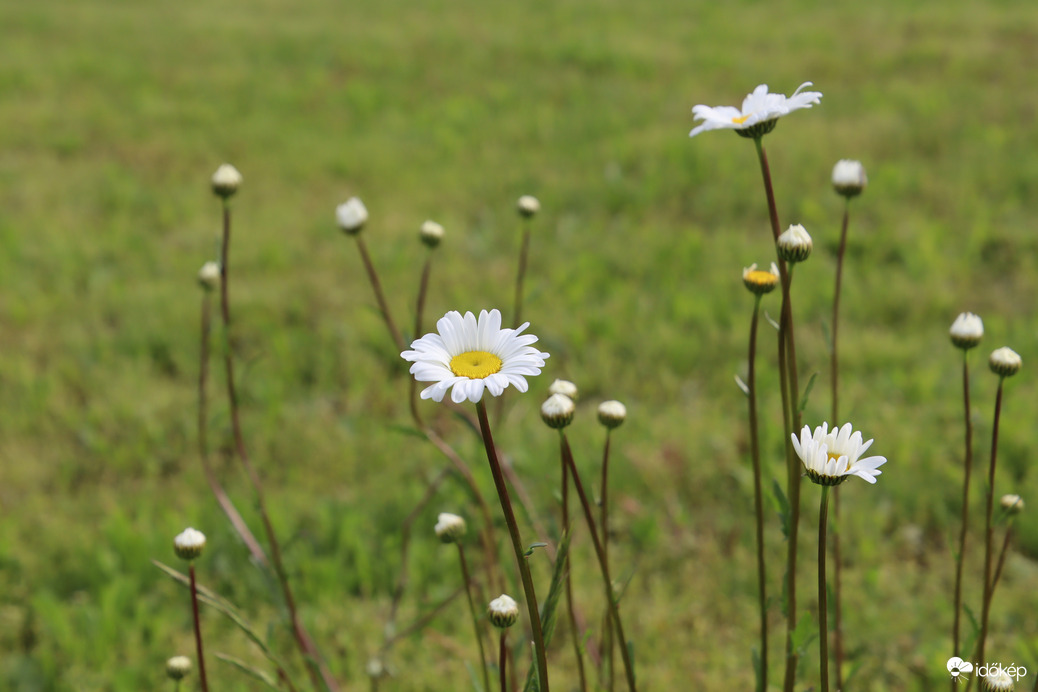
{"points": [[113, 115]]}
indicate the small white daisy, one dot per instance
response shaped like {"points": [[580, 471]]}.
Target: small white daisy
{"points": [[471, 356], [760, 110], [830, 457]]}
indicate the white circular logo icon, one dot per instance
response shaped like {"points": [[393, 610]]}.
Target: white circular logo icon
{"points": [[957, 667]]}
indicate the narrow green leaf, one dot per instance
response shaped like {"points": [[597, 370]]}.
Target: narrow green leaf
{"points": [[781, 506], [261, 675], [549, 610], [807, 393]]}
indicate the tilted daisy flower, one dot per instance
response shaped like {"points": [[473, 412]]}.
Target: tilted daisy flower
{"points": [[758, 115], [832, 456], [471, 355]]}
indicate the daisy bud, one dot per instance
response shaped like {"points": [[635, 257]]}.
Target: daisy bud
{"points": [[209, 276], [351, 215], [794, 245], [431, 233], [449, 527], [849, 178], [998, 680], [189, 544], [503, 612], [611, 414], [528, 206], [226, 180], [557, 411], [564, 387], [966, 331], [758, 281], [375, 668], [178, 667], [1012, 504], [1004, 362]]}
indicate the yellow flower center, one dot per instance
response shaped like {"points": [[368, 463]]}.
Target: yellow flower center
{"points": [[475, 364], [759, 277], [741, 119]]}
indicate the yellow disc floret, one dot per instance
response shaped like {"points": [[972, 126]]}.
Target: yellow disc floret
{"points": [[475, 364]]}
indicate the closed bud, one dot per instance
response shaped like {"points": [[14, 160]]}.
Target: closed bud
{"points": [[189, 544], [612, 414], [178, 667], [966, 331], [226, 180], [431, 233], [209, 276], [794, 245], [351, 216], [1004, 362], [503, 612], [528, 206], [849, 178], [450, 527]]}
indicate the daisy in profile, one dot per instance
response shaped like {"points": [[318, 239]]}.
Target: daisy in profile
{"points": [[758, 115], [832, 456], [471, 355]]}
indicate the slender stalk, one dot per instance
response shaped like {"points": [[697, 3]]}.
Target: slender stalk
{"points": [[989, 529], [569, 571], [222, 498], [502, 658], [475, 618], [758, 503], [517, 545], [398, 340], [524, 251], [198, 629], [823, 605], [602, 563], [607, 634], [791, 419], [834, 382], [315, 666], [1001, 558], [968, 467]]}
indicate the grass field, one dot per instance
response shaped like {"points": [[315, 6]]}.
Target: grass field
{"points": [[114, 114]]}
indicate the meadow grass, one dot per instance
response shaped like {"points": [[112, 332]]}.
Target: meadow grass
{"points": [[115, 113]]}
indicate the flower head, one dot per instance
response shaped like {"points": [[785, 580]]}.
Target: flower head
{"points": [[831, 457], [1012, 504], [557, 411], [178, 667], [351, 215], [849, 178], [794, 244], [209, 276], [528, 205], [758, 281], [503, 611], [563, 387], [998, 680], [758, 115], [431, 233], [189, 544], [471, 355], [966, 331], [612, 414], [225, 180], [449, 527], [1004, 362]]}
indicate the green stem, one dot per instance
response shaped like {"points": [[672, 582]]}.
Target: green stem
{"points": [[603, 564], [968, 466], [791, 420], [758, 503], [503, 661], [834, 381], [823, 606], [475, 618], [607, 634], [989, 529], [198, 629], [315, 667], [524, 251], [517, 545], [571, 614], [398, 341]]}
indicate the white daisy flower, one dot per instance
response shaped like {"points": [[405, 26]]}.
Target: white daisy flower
{"points": [[998, 681], [760, 110], [471, 355], [830, 457]]}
